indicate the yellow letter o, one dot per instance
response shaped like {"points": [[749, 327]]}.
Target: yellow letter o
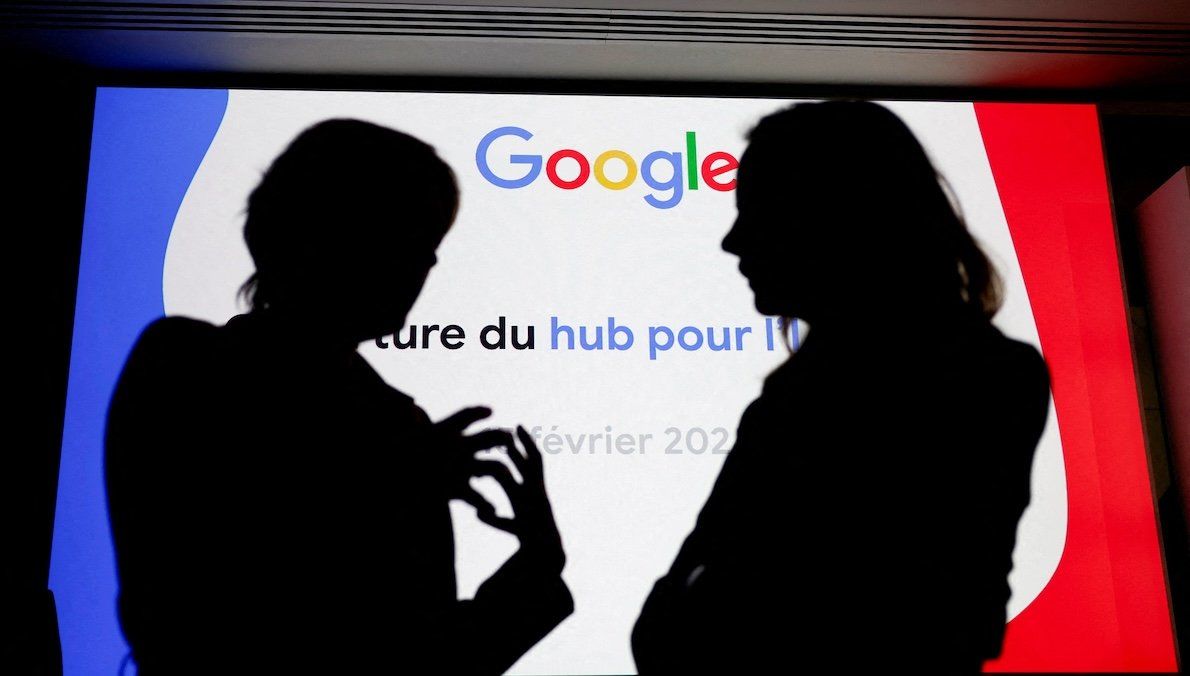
{"points": [[629, 164]]}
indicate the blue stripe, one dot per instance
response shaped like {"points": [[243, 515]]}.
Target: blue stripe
{"points": [[147, 145]]}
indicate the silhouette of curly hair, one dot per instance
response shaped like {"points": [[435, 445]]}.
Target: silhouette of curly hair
{"points": [[341, 188]]}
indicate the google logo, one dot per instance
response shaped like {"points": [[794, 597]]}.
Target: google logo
{"points": [[669, 190]]}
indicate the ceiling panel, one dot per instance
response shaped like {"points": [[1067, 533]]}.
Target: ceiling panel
{"points": [[1004, 44]]}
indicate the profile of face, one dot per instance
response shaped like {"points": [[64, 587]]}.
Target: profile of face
{"points": [[841, 216], [784, 236], [344, 228]]}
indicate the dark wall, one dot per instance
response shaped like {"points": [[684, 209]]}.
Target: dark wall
{"points": [[1144, 145], [45, 118]]}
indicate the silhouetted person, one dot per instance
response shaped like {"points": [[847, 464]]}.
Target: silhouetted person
{"points": [[867, 514], [276, 506]]}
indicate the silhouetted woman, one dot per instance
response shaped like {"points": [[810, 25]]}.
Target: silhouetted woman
{"points": [[867, 514], [276, 506]]}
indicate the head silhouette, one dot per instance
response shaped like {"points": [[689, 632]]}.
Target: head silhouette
{"points": [[343, 228], [842, 218]]}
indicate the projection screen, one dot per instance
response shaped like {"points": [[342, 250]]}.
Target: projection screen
{"points": [[589, 240]]}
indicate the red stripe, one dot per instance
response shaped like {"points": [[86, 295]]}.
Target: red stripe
{"points": [[1106, 607]]}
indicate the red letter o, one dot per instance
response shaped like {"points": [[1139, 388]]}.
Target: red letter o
{"points": [[551, 169]]}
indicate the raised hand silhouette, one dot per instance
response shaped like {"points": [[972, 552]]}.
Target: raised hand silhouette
{"points": [[533, 518]]}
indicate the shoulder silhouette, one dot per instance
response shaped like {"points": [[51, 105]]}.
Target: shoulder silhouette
{"points": [[275, 505], [867, 515]]}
